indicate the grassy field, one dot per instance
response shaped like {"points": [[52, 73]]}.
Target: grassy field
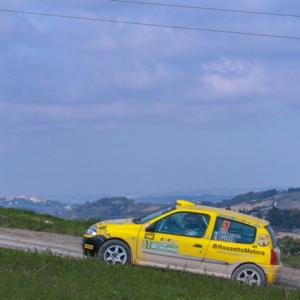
{"points": [[292, 261], [31, 275], [24, 219]]}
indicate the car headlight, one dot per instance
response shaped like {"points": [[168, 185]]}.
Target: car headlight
{"points": [[92, 230]]}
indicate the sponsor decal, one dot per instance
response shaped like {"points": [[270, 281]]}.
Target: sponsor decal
{"points": [[149, 236], [168, 240], [103, 231], [159, 246], [237, 249], [263, 240], [225, 236], [87, 246], [227, 217]]}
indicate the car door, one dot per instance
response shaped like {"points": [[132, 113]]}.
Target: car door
{"points": [[232, 243], [174, 241]]}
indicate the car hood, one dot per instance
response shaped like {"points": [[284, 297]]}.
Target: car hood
{"points": [[116, 221]]}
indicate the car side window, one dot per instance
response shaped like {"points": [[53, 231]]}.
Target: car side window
{"points": [[184, 223], [233, 231]]}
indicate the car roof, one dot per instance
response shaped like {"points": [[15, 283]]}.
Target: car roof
{"points": [[184, 204]]}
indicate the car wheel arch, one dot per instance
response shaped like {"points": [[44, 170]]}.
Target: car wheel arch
{"points": [[249, 265], [117, 240]]}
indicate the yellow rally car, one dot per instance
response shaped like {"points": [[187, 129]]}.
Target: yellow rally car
{"points": [[193, 238]]}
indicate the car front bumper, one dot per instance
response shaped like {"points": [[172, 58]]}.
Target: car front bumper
{"points": [[91, 244]]}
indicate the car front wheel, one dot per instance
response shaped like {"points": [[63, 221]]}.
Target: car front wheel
{"points": [[249, 274], [115, 252]]}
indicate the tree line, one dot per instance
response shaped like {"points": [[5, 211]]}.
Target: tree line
{"points": [[284, 218]]}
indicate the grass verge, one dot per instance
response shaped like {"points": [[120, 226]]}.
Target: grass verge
{"points": [[292, 261], [32, 275], [25, 219]]}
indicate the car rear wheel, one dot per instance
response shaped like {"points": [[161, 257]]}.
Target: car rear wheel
{"points": [[249, 274], [115, 252]]}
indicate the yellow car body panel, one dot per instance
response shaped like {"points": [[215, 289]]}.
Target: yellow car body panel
{"points": [[228, 241]]}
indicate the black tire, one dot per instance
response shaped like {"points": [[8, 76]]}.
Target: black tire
{"points": [[249, 274], [115, 252]]}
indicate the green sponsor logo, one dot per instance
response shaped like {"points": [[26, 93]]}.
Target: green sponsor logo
{"points": [[159, 246]]}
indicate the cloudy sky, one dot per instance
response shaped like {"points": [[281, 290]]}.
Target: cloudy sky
{"points": [[92, 106]]}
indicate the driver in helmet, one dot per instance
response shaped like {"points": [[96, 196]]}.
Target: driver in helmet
{"points": [[194, 225]]}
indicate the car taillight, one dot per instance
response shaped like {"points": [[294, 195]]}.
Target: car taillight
{"points": [[274, 257]]}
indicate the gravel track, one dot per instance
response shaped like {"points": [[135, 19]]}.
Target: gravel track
{"points": [[71, 246], [41, 241]]}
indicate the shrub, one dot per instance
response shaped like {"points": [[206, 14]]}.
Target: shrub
{"points": [[289, 245]]}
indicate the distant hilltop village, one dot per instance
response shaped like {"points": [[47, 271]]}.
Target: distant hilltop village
{"points": [[36, 204], [33, 199]]}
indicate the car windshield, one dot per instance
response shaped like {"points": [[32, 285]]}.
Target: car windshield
{"points": [[145, 219]]}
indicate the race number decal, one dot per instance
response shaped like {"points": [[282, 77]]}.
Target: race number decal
{"points": [[225, 225]]}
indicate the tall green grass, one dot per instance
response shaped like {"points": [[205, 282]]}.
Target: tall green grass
{"points": [[292, 261], [31, 275], [25, 219]]}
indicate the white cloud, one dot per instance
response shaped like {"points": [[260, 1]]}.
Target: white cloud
{"points": [[230, 78], [121, 72]]}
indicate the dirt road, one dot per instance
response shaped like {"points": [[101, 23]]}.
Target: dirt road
{"points": [[41, 241], [71, 246]]}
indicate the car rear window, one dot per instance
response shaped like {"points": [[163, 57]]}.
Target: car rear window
{"points": [[232, 231], [272, 234]]}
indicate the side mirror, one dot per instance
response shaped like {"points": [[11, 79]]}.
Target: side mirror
{"points": [[150, 228]]}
